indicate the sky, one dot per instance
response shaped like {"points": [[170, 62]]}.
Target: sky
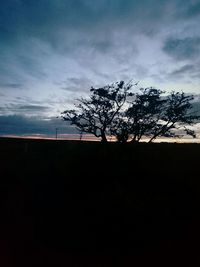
{"points": [[53, 51]]}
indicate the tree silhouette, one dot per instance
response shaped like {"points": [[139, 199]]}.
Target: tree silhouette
{"points": [[141, 115], [114, 110], [96, 114], [153, 115], [174, 117]]}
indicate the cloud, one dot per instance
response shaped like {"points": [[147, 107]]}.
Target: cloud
{"points": [[21, 109], [196, 105], [33, 108], [183, 70], [187, 73], [11, 85], [65, 23], [50, 45], [48, 18], [182, 49], [77, 84], [21, 125], [189, 9]]}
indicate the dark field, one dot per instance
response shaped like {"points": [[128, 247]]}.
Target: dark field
{"points": [[71, 203]]}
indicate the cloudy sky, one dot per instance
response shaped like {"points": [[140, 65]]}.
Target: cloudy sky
{"points": [[53, 51]]}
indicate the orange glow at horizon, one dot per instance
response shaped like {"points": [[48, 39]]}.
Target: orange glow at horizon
{"points": [[88, 137]]}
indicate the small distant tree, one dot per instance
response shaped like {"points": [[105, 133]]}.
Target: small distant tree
{"points": [[97, 114]]}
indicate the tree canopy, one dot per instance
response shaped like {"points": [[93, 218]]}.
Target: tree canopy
{"points": [[115, 110]]}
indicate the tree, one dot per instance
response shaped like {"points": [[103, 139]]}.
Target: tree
{"points": [[175, 116], [142, 115], [97, 114], [150, 113]]}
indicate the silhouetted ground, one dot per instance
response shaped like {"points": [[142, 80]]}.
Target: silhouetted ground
{"points": [[71, 203]]}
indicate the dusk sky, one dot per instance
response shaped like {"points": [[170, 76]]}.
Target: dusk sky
{"points": [[53, 51]]}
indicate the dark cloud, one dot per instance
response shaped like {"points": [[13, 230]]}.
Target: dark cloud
{"points": [[9, 73], [77, 84], [50, 20], [193, 10], [182, 49], [47, 45], [45, 17], [15, 108], [189, 9], [187, 73], [33, 108], [196, 105], [11, 85], [183, 70], [31, 66], [21, 125]]}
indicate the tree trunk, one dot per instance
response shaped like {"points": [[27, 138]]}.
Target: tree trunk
{"points": [[151, 140], [103, 137], [134, 140]]}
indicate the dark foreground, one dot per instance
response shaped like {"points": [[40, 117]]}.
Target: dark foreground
{"points": [[68, 203]]}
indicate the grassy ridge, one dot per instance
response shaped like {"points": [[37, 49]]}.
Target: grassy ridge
{"points": [[96, 198]]}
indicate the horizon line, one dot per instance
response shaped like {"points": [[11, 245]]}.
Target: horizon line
{"points": [[88, 137]]}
